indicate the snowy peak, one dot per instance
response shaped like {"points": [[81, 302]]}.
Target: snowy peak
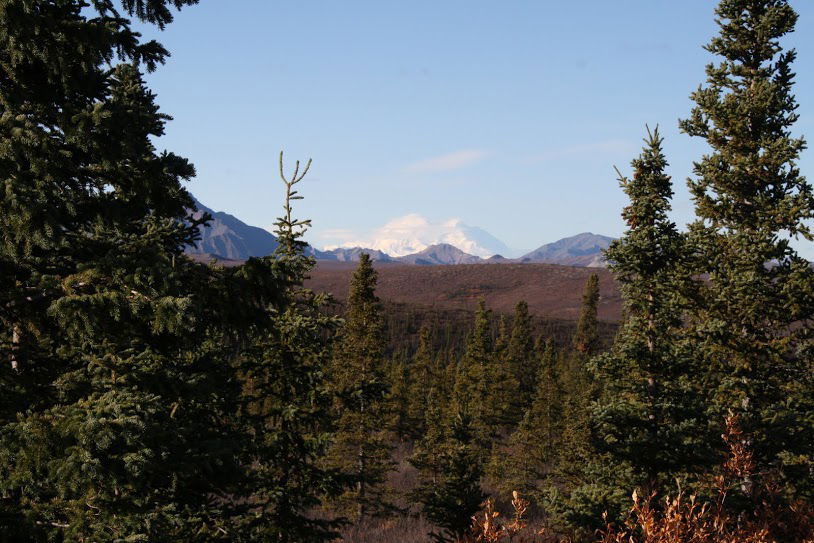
{"points": [[414, 233], [411, 239]]}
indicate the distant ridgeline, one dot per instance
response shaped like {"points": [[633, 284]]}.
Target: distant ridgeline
{"points": [[229, 238]]}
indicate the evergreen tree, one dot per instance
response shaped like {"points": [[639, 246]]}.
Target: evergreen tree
{"points": [[502, 339], [426, 457], [748, 320], [115, 426], [484, 388], [362, 443], [580, 471], [471, 380], [399, 398], [424, 377], [586, 338], [650, 416], [450, 498], [527, 461], [285, 407], [576, 379], [521, 357]]}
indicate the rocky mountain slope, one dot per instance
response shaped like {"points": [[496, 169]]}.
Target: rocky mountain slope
{"points": [[230, 238], [581, 250]]}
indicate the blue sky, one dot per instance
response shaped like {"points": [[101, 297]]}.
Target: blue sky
{"points": [[508, 115]]}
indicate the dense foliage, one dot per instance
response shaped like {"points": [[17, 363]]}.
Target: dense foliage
{"points": [[147, 397]]}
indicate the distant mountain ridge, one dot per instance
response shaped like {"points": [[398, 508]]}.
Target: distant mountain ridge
{"points": [[351, 254], [229, 238], [582, 250], [440, 254]]}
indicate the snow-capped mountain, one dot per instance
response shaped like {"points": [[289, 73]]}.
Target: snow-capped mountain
{"points": [[408, 240], [413, 233]]}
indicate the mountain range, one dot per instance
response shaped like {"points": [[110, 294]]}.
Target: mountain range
{"points": [[228, 238]]}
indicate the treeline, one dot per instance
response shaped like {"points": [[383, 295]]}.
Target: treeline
{"points": [[450, 328], [509, 411], [146, 397]]}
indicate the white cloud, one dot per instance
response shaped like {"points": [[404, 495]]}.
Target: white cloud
{"points": [[448, 162], [413, 233], [586, 149]]}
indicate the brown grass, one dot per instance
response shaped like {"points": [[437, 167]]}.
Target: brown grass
{"points": [[402, 529], [551, 291]]}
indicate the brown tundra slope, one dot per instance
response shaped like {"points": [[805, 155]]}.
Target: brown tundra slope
{"points": [[552, 291]]}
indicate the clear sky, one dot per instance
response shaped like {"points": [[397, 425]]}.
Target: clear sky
{"points": [[508, 115]]}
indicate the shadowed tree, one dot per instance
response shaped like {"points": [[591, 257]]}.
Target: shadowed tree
{"points": [[362, 443]]}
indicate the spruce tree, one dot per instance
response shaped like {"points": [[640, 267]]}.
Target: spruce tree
{"points": [[426, 457], [650, 416], [526, 462], [748, 316], [285, 408], [362, 443], [484, 388], [471, 380], [582, 476], [521, 357], [576, 378], [586, 338], [453, 495], [117, 422], [424, 377]]}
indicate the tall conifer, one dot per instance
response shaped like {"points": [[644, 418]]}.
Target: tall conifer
{"points": [[527, 461], [362, 443], [118, 427], [452, 498], [650, 416], [748, 320], [521, 357], [284, 404], [586, 337], [423, 378]]}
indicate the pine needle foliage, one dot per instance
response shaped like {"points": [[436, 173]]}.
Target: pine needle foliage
{"points": [[650, 416], [115, 428], [454, 496], [749, 319], [363, 441], [285, 404]]}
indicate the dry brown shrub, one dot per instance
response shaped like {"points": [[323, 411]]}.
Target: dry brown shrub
{"points": [[489, 526], [682, 519]]}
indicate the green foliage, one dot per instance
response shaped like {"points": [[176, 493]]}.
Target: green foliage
{"points": [[424, 377], [586, 338], [750, 201], [285, 407], [362, 443], [471, 381], [521, 358], [114, 427], [527, 461], [450, 492], [650, 417]]}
